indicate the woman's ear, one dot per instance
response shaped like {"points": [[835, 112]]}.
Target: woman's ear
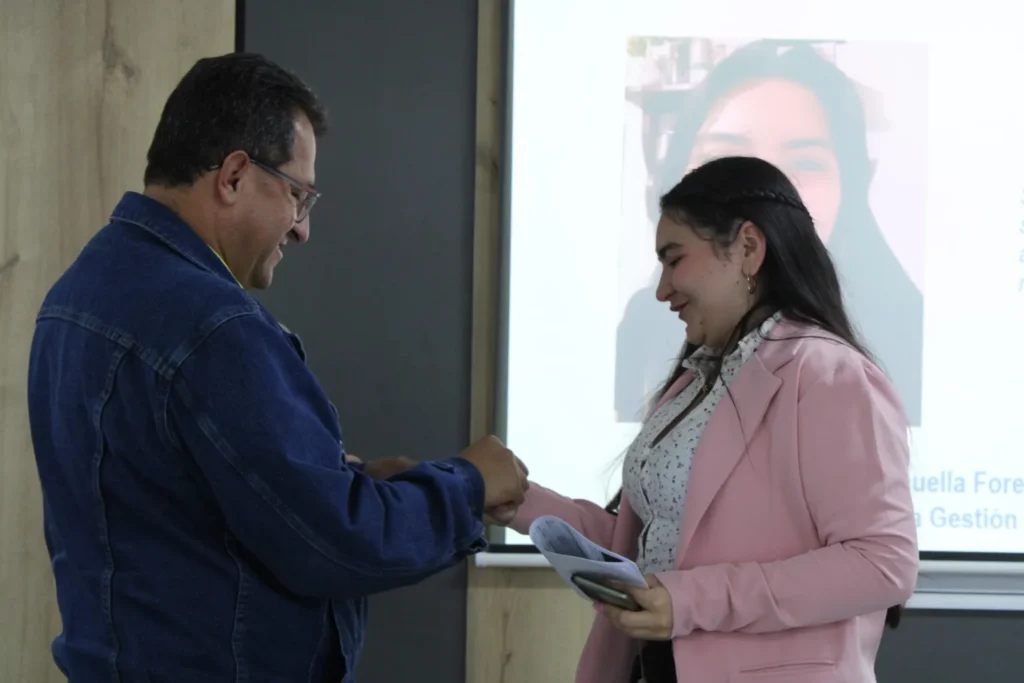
{"points": [[752, 246]]}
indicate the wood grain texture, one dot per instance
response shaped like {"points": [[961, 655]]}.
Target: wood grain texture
{"points": [[82, 85], [523, 625], [486, 213]]}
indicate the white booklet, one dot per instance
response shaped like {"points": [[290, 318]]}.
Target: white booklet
{"points": [[570, 553]]}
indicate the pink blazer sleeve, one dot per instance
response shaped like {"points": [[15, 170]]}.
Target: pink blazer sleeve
{"points": [[582, 515], [587, 518], [854, 460]]}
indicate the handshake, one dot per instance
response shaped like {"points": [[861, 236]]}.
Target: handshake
{"points": [[504, 476]]}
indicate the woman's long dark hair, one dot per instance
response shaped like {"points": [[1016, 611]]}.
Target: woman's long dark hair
{"points": [[797, 277]]}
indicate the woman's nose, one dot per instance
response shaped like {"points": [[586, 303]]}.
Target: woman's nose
{"points": [[663, 291]]}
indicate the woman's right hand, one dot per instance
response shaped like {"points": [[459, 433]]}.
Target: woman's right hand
{"points": [[501, 515]]}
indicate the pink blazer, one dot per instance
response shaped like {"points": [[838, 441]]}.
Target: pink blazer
{"points": [[798, 529]]}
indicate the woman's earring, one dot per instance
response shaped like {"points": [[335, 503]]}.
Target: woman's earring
{"points": [[751, 285]]}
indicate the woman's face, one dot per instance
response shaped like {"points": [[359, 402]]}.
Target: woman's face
{"points": [[707, 288], [784, 124]]}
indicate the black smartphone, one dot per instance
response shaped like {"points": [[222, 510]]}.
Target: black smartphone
{"points": [[598, 592]]}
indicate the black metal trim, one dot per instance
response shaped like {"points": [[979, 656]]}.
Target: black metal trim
{"points": [[239, 25]]}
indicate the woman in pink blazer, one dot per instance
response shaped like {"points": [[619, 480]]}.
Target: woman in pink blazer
{"points": [[767, 495]]}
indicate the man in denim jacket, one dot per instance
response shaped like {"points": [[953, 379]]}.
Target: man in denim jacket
{"points": [[203, 521]]}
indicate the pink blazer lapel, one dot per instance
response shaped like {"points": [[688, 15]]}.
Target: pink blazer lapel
{"points": [[725, 440], [733, 423]]}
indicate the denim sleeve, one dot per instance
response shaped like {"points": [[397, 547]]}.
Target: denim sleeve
{"points": [[250, 413]]}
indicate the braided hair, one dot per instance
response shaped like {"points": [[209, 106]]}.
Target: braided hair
{"points": [[797, 276], [758, 194]]}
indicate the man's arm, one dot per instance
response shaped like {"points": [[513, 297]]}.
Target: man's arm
{"points": [[255, 420]]}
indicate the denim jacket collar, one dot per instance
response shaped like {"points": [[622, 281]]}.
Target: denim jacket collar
{"points": [[160, 221]]}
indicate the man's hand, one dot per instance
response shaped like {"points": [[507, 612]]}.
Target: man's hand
{"points": [[653, 622], [504, 476]]}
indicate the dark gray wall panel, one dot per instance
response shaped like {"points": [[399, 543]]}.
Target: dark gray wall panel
{"points": [[381, 294]]}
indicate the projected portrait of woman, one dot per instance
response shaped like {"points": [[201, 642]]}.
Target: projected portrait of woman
{"points": [[787, 104]]}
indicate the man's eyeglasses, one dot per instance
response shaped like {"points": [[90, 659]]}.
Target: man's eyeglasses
{"points": [[305, 197]]}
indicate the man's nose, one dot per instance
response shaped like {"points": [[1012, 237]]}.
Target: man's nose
{"points": [[300, 231]]}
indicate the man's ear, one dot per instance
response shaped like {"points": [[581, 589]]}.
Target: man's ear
{"points": [[230, 176]]}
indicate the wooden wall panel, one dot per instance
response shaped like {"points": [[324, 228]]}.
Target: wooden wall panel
{"points": [[523, 625], [81, 89]]}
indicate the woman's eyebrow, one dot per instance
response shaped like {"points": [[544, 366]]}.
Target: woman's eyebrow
{"points": [[805, 143], [740, 140], [728, 138]]}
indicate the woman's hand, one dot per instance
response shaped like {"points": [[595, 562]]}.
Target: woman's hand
{"points": [[653, 622], [501, 515]]}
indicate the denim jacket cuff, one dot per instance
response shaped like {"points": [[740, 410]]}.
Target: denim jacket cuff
{"points": [[471, 479]]}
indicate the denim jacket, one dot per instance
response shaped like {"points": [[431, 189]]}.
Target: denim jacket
{"points": [[200, 518]]}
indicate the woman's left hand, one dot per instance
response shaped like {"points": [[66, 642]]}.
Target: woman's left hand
{"points": [[653, 622]]}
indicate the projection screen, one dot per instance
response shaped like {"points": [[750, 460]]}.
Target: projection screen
{"points": [[927, 233]]}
